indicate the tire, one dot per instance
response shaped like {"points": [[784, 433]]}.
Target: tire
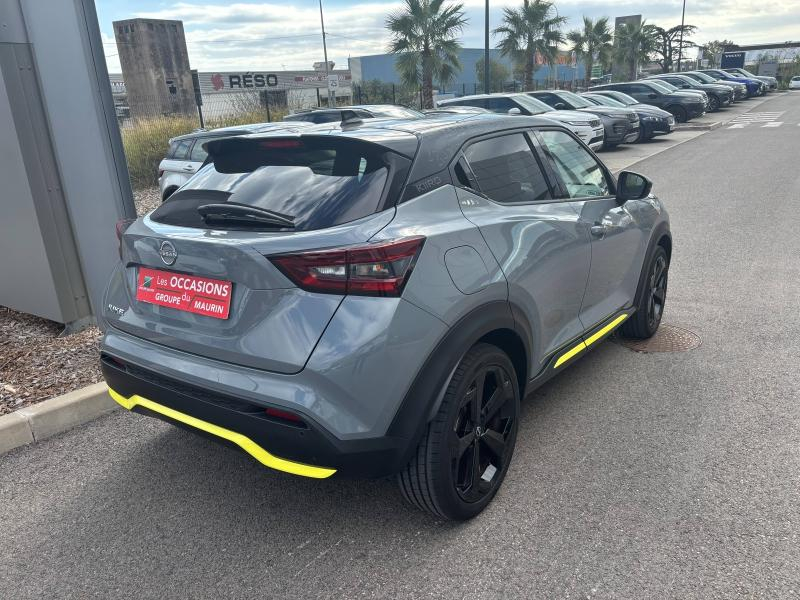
{"points": [[476, 426], [713, 104], [645, 321], [167, 193], [679, 113]]}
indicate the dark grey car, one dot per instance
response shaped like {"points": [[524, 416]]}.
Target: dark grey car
{"points": [[376, 299]]}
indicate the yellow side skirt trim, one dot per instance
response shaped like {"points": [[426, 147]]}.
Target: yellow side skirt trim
{"points": [[244, 442], [581, 346]]}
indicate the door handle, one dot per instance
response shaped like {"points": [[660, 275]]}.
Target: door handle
{"points": [[189, 169], [598, 231]]}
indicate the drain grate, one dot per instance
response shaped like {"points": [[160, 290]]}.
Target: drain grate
{"points": [[668, 338]]}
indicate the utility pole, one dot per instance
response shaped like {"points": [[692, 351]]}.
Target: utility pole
{"points": [[680, 43], [486, 54], [331, 100]]}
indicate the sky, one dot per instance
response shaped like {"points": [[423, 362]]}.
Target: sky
{"points": [[256, 35]]}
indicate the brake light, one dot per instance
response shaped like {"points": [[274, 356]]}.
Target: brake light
{"points": [[160, 173], [120, 228], [380, 269], [281, 144], [284, 415]]}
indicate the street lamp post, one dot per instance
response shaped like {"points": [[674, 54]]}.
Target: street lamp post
{"points": [[486, 53], [680, 43], [331, 100]]}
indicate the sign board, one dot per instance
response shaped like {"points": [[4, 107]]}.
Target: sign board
{"points": [[333, 82], [732, 60], [237, 81], [768, 68], [597, 71]]}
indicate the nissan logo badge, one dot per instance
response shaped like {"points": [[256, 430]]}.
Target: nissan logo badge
{"points": [[168, 253]]}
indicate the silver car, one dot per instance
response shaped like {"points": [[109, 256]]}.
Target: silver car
{"points": [[375, 299]]}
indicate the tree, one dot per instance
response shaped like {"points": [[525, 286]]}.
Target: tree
{"points": [[424, 38], [672, 43], [633, 45], [498, 74], [714, 48], [532, 29], [591, 43]]}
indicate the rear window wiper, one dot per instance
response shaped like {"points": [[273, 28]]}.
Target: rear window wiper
{"points": [[243, 214]]}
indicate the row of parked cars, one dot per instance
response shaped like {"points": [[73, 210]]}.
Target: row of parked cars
{"points": [[372, 291]]}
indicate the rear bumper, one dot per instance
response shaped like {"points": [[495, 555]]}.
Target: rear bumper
{"points": [[307, 450]]}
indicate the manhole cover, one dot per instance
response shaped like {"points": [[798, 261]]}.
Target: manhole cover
{"points": [[668, 338]]}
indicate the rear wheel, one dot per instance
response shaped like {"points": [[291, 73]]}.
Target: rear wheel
{"points": [[645, 321], [679, 113], [465, 452]]}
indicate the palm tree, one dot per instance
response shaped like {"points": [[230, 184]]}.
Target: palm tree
{"points": [[424, 38], [633, 44], [529, 30], [592, 43]]}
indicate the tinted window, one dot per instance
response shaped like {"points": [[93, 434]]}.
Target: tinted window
{"points": [[549, 99], [501, 105], [636, 88], [198, 153], [579, 170], [319, 181], [506, 169], [180, 149]]}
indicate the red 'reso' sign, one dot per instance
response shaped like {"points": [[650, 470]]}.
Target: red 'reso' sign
{"points": [[199, 295]]}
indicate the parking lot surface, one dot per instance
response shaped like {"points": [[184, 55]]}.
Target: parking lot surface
{"points": [[662, 475]]}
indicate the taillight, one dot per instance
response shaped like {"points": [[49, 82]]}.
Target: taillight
{"points": [[160, 173], [120, 228], [379, 269]]}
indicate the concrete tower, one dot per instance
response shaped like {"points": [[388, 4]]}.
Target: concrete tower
{"points": [[155, 66]]}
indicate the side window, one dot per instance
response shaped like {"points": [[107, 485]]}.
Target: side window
{"points": [[547, 98], [506, 169], [579, 170], [501, 105], [198, 154], [182, 149]]}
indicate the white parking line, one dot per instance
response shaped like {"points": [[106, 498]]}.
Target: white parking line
{"points": [[738, 126], [773, 124]]}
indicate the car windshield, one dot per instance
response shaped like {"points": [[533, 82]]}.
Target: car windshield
{"points": [[702, 77], [606, 101], [624, 98], [316, 182], [663, 86], [397, 112], [575, 100], [532, 105]]}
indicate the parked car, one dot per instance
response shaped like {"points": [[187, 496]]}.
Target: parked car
{"points": [[621, 125], [719, 96], [772, 82], [587, 127], [186, 153], [652, 121], [739, 89], [671, 89], [754, 86], [376, 300], [794, 83], [683, 107], [361, 111]]}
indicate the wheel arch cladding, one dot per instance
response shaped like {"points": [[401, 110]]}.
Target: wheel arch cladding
{"points": [[665, 241], [493, 323], [661, 237]]}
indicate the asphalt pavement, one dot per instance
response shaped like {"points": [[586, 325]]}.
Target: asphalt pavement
{"points": [[670, 475]]}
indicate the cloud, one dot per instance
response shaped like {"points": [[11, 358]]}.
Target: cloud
{"points": [[268, 35]]}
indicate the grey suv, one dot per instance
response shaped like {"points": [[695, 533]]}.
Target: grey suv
{"points": [[375, 298]]}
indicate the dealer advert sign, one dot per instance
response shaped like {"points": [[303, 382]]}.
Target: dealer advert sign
{"points": [[189, 293]]}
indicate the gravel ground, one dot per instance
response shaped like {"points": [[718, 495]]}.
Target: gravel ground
{"points": [[37, 364]]}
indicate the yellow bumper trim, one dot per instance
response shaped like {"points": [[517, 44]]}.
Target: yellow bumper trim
{"points": [[581, 346], [244, 442]]}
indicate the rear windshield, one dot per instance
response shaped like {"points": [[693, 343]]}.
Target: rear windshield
{"points": [[316, 181]]}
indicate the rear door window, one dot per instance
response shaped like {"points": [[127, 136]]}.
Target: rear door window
{"points": [[506, 169], [198, 153], [316, 181], [181, 149], [501, 105]]}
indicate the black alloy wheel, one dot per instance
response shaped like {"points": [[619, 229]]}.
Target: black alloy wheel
{"points": [[464, 455], [657, 293], [679, 113], [650, 307], [713, 103]]}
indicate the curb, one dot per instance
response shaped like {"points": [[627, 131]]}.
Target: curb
{"points": [[56, 415], [699, 126]]}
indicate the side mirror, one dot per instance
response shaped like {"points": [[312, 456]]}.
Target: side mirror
{"points": [[632, 186], [652, 95], [514, 111], [559, 106]]}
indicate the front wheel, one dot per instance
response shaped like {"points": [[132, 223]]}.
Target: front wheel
{"points": [[465, 452], [679, 113], [645, 321], [713, 104]]}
